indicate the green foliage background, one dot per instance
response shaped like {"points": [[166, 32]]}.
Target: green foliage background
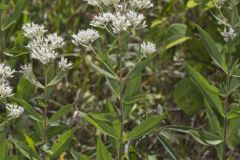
{"points": [[166, 86]]}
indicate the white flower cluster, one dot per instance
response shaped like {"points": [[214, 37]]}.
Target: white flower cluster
{"points": [[43, 48], [228, 34], [141, 4], [102, 2], [85, 37], [64, 65], [148, 48], [14, 110], [5, 73], [119, 21], [33, 30], [123, 18]]}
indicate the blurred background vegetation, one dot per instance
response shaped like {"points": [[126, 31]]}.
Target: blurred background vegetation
{"points": [[172, 28]]}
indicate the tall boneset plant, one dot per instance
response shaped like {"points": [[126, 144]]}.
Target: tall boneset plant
{"points": [[118, 20]]}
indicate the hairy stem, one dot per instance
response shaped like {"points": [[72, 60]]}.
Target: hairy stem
{"points": [[121, 85], [45, 116]]}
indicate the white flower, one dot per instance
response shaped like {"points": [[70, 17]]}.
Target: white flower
{"points": [[42, 51], [5, 71], [228, 34], [14, 110], [102, 19], [141, 4], [136, 19], [110, 2], [63, 64], [26, 70], [32, 30], [43, 48], [5, 90], [94, 2], [120, 22], [54, 41], [148, 48], [85, 37], [105, 2]]}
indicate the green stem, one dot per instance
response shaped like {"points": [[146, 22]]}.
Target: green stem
{"points": [[121, 85], [45, 116], [226, 106], [1, 39]]}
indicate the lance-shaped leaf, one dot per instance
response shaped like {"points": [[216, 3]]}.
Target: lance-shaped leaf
{"points": [[209, 91], [103, 72], [60, 113], [24, 150], [78, 156], [3, 140], [212, 49], [137, 69], [61, 144], [202, 137], [56, 79], [144, 127], [20, 6], [101, 125], [102, 152]]}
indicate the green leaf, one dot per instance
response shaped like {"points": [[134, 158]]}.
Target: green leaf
{"points": [[31, 77], [3, 140], [103, 72], [3, 6], [168, 148], [144, 127], [102, 126], [27, 152], [107, 117], [214, 123], [176, 34], [61, 144], [209, 91], [60, 113], [24, 88], [20, 6], [188, 97], [202, 137], [137, 69], [12, 158], [102, 152], [30, 143], [56, 79], [4, 148], [212, 49], [79, 156]]}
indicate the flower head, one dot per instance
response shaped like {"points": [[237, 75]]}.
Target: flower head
{"points": [[85, 37], [148, 48], [141, 4], [102, 19], [26, 70], [6, 71], [32, 30], [44, 48], [120, 22], [63, 64], [136, 19], [14, 110], [228, 34], [5, 90], [100, 2]]}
